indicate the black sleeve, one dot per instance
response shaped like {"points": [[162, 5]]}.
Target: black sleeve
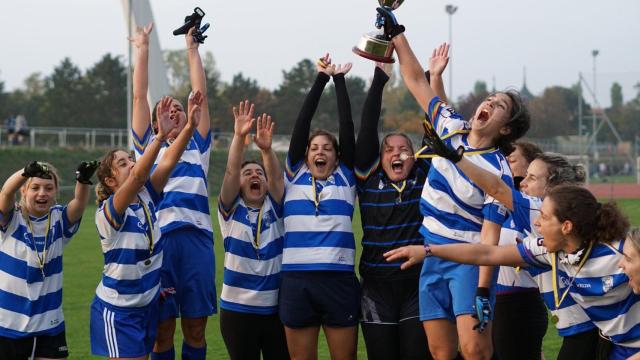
{"points": [[300, 134], [367, 146], [347, 138]]}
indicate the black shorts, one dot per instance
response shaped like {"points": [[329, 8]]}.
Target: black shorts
{"points": [[314, 298], [52, 346], [389, 302]]}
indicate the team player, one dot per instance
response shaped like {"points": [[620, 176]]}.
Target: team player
{"points": [[33, 234], [389, 193], [456, 211], [630, 263], [319, 286], [582, 243], [183, 214], [250, 216], [125, 309]]}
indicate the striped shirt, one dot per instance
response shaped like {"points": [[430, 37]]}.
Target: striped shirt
{"points": [[390, 219], [318, 238], [186, 200], [454, 207], [132, 250], [571, 318], [600, 288], [251, 272], [512, 280], [30, 304]]}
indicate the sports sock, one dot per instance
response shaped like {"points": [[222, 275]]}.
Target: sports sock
{"points": [[165, 355], [191, 353]]}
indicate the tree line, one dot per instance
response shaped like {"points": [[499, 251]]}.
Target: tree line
{"points": [[70, 97]]}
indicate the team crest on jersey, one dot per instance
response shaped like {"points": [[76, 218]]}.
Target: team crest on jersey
{"points": [[381, 185], [331, 180], [607, 283], [564, 282]]}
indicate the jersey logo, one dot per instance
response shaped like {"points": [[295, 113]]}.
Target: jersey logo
{"points": [[607, 283]]}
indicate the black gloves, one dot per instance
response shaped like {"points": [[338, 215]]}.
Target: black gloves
{"points": [[85, 171], [37, 169], [438, 146], [388, 21]]}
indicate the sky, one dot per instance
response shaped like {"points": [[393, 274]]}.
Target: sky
{"points": [[493, 40]]}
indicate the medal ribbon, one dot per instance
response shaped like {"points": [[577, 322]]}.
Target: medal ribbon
{"points": [[149, 231], [256, 238], [41, 260], [555, 277], [316, 195]]}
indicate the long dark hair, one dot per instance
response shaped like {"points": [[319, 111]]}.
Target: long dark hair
{"points": [[592, 221], [518, 124]]}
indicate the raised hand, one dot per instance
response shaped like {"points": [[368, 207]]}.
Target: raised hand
{"points": [[342, 68], [37, 169], [191, 42], [195, 108], [140, 35], [388, 21], [324, 65], [264, 132], [243, 116], [85, 171], [163, 112], [387, 68], [439, 59]]}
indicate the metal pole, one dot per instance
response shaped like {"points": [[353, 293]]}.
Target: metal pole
{"points": [[450, 9], [594, 117], [580, 113], [129, 81]]}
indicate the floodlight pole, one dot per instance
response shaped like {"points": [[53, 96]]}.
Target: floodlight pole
{"points": [[450, 9], [129, 81], [594, 53]]}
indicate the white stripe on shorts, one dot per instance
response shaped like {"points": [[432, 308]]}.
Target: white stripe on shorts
{"points": [[110, 333]]}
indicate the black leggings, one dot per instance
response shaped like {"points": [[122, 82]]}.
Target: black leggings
{"points": [[405, 341], [519, 324], [580, 346], [246, 335]]}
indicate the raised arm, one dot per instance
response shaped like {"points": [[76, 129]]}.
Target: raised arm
{"points": [[8, 194], [198, 81], [347, 136], [141, 112], [173, 153], [263, 139], [139, 174], [491, 184], [78, 204], [368, 143], [243, 121], [412, 73], [437, 63], [300, 134], [477, 254]]}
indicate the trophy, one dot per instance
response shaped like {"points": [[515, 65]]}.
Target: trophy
{"points": [[374, 45]]}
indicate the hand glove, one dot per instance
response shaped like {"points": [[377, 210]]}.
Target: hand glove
{"points": [[388, 21], [85, 171], [483, 309], [438, 146], [37, 169]]}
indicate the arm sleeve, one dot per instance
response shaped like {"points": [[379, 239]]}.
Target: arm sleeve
{"points": [[347, 136], [444, 118], [534, 253], [525, 209], [368, 145], [299, 137], [140, 143]]}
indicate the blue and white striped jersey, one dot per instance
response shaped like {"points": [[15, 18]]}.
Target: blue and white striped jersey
{"points": [[600, 287], [186, 200], [512, 280], [318, 238], [132, 250], [251, 271], [453, 206], [30, 304]]}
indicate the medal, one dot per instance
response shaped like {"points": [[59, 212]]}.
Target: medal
{"points": [[399, 189], [41, 259], [558, 299], [554, 319], [148, 231]]}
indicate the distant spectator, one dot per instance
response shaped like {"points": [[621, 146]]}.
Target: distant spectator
{"points": [[21, 130], [626, 168], [602, 169], [10, 125]]}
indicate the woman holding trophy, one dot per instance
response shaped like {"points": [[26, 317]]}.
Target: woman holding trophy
{"points": [[319, 286]]}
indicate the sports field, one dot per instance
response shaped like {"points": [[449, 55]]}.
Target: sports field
{"points": [[83, 265]]}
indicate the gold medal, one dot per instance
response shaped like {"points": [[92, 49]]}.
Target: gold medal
{"points": [[554, 319]]}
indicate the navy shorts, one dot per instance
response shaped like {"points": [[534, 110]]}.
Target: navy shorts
{"points": [[46, 346], [119, 332], [188, 273], [314, 298]]}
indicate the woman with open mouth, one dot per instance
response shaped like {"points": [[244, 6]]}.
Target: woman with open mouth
{"points": [[124, 312], [250, 216], [581, 244], [389, 189], [455, 210], [630, 263], [33, 235], [319, 286]]}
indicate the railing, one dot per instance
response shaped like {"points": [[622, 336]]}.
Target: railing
{"points": [[86, 138]]}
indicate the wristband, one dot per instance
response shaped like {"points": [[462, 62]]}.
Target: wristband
{"points": [[482, 291], [427, 250]]}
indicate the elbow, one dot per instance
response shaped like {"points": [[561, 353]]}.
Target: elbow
{"points": [[138, 178]]}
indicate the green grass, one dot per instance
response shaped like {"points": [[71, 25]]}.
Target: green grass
{"points": [[83, 265]]}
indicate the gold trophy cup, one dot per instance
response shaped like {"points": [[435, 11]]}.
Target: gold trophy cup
{"points": [[374, 45]]}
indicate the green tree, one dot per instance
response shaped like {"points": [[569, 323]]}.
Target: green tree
{"points": [[105, 84], [65, 103], [616, 96]]}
